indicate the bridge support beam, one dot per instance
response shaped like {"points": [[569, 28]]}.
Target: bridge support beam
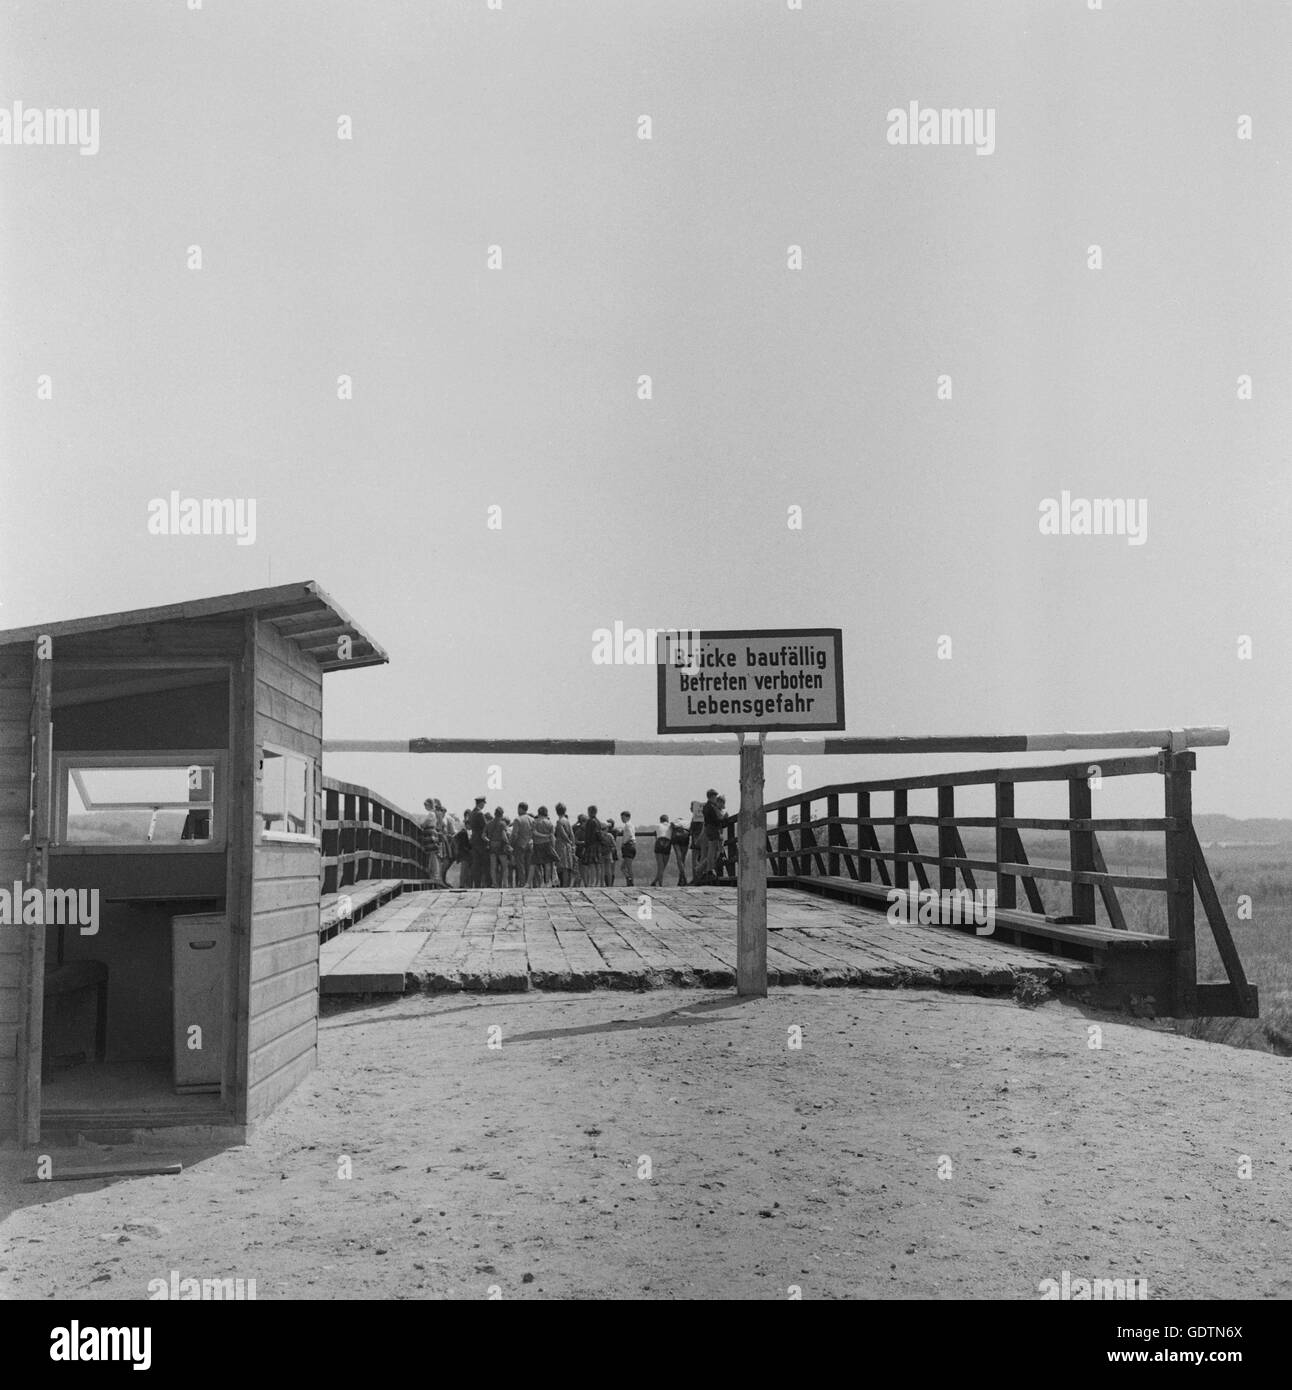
{"points": [[751, 891]]}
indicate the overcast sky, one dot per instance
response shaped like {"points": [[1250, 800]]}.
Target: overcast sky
{"points": [[772, 388]]}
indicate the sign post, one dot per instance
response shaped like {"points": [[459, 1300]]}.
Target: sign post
{"points": [[748, 683], [751, 879]]}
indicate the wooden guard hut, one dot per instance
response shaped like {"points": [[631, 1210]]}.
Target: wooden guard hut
{"points": [[160, 785]]}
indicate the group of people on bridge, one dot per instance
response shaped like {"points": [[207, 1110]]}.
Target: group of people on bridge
{"points": [[539, 850]]}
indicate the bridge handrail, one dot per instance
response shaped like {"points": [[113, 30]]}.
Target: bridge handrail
{"points": [[365, 837], [1086, 871]]}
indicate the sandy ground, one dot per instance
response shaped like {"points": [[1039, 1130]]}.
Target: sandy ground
{"points": [[520, 1169]]}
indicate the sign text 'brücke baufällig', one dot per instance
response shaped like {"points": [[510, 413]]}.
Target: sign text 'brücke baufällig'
{"points": [[788, 679]]}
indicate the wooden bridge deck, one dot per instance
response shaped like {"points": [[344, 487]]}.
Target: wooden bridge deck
{"points": [[592, 938]]}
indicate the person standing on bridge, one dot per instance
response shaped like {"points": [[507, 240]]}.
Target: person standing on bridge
{"points": [[496, 834], [523, 844], [462, 850], [609, 853], [449, 827], [681, 838], [540, 870], [697, 839], [711, 816], [720, 867], [429, 836], [563, 839], [580, 850], [663, 848], [628, 847], [509, 855], [477, 824], [593, 835]]}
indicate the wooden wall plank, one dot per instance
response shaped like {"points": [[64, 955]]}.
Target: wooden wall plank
{"points": [[302, 686], [286, 649], [14, 736], [284, 924], [269, 730], [8, 1084], [282, 665], [273, 895], [267, 1094], [277, 859], [15, 673], [280, 957], [297, 982], [282, 1021], [273, 704], [267, 1058]]}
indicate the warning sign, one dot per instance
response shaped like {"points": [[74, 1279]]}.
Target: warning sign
{"points": [[784, 679]]}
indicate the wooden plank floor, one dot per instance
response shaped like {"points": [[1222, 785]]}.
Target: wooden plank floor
{"points": [[599, 938]]}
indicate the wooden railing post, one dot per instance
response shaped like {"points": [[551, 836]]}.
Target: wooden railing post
{"points": [[863, 861], [1006, 884], [946, 839], [806, 838], [901, 869], [832, 832], [1177, 775], [348, 840], [783, 841], [1081, 849]]}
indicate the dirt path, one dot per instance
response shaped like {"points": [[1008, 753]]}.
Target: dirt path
{"points": [[518, 1167]]}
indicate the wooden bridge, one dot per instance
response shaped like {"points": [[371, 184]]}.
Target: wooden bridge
{"points": [[816, 854], [504, 940], [166, 765]]}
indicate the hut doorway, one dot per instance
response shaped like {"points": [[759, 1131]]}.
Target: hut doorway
{"points": [[137, 980]]}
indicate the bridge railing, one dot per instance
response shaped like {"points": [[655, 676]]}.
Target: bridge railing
{"points": [[366, 837], [815, 845]]}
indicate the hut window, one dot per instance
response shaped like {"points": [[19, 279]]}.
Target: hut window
{"points": [[138, 801], [286, 795]]}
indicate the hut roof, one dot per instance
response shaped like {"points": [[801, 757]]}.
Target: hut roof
{"points": [[301, 612]]}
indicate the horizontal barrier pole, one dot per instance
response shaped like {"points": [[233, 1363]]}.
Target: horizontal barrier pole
{"points": [[1131, 766], [1204, 736]]}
